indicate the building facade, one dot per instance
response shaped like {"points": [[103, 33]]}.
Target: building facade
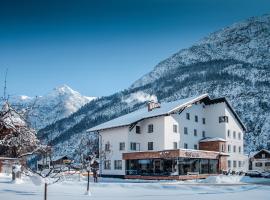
{"points": [[260, 161], [194, 136]]}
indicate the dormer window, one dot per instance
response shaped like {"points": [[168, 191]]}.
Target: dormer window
{"points": [[138, 129]]}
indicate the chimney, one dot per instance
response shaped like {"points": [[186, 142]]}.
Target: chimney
{"points": [[151, 105]]}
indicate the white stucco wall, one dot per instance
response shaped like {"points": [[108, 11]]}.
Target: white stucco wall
{"points": [[163, 136]]}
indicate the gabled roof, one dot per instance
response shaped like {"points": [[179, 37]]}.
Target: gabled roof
{"points": [[223, 99], [257, 152], [143, 113], [166, 108]]}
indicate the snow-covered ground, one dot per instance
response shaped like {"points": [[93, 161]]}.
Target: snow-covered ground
{"points": [[210, 189]]}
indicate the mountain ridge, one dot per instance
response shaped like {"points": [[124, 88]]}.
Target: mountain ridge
{"points": [[221, 64], [59, 103]]}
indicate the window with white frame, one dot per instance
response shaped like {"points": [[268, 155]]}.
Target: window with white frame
{"points": [[239, 136], [228, 133], [150, 146], [229, 163], [239, 149], [239, 164], [175, 128], [107, 146], [195, 132], [185, 145], [185, 130], [229, 148], [234, 135], [234, 148], [138, 129], [150, 128], [258, 164], [118, 164], [107, 164], [203, 134], [133, 146], [203, 121], [174, 145], [223, 119], [121, 146], [234, 163]]}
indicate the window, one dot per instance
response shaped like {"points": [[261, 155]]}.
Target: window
{"points": [[263, 155], [195, 132], [228, 133], [150, 146], [175, 128], [185, 130], [229, 163], [229, 148], [118, 164], [196, 118], [239, 164], [150, 128], [138, 129], [239, 149], [234, 163], [187, 116], [258, 164], [222, 148], [185, 145], [234, 135], [203, 134], [223, 119], [133, 146], [195, 146], [203, 120], [175, 145], [267, 164], [239, 136], [234, 148], [107, 164], [107, 146], [121, 146]]}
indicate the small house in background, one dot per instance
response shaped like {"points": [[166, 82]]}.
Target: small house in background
{"points": [[56, 162], [260, 161], [7, 163]]}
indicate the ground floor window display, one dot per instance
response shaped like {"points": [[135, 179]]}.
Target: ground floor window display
{"points": [[172, 166]]}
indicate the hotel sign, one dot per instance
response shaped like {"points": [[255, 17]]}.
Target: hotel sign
{"points": [[191, 154]]}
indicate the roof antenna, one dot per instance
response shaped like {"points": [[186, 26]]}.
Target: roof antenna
{"points": [[5, 86]]}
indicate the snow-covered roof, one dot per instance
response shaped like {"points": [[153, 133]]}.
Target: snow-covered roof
{"points": [[213, 139], [165, 108], [252, 154]]}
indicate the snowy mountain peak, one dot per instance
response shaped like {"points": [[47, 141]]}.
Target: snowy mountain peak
{"points": [[64, 89], [61, 102]]}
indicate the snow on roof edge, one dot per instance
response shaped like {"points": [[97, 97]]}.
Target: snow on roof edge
{"points": [[190, 100]]}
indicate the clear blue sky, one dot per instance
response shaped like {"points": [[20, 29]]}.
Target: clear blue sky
{"points": [[100, 47]]}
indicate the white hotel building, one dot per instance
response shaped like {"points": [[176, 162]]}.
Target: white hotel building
{"points": [[191, 137]]}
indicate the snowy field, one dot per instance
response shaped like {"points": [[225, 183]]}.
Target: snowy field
{"points": [[214, 188]]}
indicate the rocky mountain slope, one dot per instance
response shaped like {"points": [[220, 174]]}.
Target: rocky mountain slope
{"points": [[61, 102], [233, 62]]}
